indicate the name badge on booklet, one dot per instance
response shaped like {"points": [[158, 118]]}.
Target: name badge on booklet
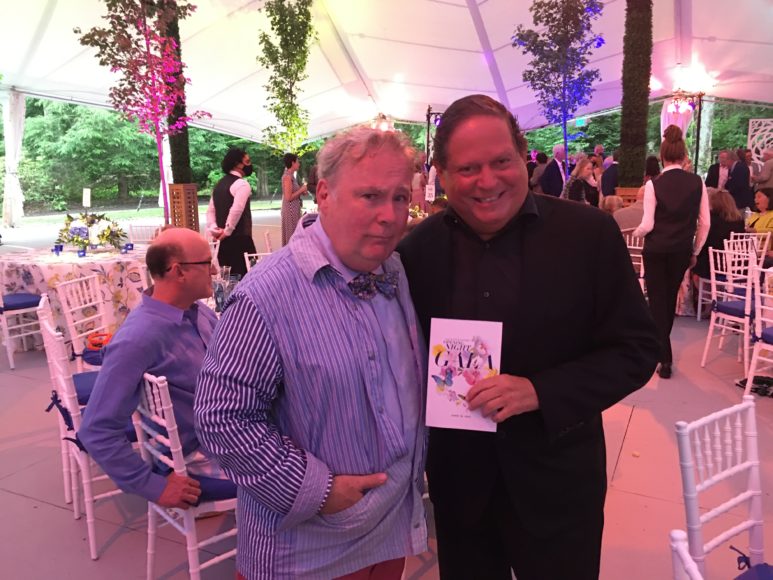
{"points": [[462, 352]]}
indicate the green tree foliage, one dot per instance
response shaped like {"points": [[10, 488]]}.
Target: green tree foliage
{"points": [[637, 67], [285, 57], [68, 147], [560, 47]]}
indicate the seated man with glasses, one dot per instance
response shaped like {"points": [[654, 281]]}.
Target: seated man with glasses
{"points": [[167, 335]]}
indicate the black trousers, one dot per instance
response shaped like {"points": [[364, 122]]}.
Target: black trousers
{"points": [[497, 542], [232, 251], [663, 274]]}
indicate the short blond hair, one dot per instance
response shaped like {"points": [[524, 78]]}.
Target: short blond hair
{"points": [[354, 144]]}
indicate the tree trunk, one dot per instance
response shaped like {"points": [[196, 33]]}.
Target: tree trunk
{"points": [[637, 67], [707, 125], [178, 141], [123, 188]]}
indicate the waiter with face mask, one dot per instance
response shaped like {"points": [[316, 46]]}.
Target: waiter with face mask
{"points": [[228, 217]]}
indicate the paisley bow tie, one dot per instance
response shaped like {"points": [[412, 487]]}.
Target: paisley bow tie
{"points": [[365, 286]]}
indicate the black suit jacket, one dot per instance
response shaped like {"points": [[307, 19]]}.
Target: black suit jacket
{"points": [[712, 177], [609, 180], [551, 181], [583, 335], [738, 185]]}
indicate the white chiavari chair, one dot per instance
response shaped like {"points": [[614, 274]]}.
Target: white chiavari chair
{"points": [[159, 440], [762, 353], [143, 233], [716, 451], [18, 318], [731, 298], [762, 243], [85, 313], [635, 247], [84, 474]]}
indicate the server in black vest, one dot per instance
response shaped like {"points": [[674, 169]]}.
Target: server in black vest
{"points": [[674, 226], [577, 337], [229, 218]]}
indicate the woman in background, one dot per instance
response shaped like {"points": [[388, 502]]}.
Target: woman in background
{"points": [[674, 227], [578, 186], [725, 219], [291, 197]]}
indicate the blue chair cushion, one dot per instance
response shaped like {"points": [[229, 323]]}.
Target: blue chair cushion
{"points": [[20, 301], [732, 308], [93, 357], [758, 572], [84, 384], [767, 336], [213, 489]]}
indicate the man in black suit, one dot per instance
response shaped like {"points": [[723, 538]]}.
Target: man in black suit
{"points": [[577, 338], [717, 173], [610, 178], [738, 181], [553, 178]]}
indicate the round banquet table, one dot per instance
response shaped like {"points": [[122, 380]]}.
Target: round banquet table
{"points": [[122, 277]]}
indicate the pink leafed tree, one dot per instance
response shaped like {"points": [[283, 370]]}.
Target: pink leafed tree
{"points": [[136, 45]]}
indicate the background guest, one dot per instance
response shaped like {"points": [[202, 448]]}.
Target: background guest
{"points": [[611, 204], [578, 188], [717, 174], [738, 181], [554, 176], [291, 196], [675, 225], [609, 179], [725, 219], [765, 177], [534, 182], [419, 183], [761, 221], [229, 218]]}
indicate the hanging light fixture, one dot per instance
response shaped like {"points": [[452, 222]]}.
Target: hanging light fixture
{"points": [[382, 123]]}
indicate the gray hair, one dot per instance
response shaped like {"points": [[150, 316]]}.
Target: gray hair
{"points": [[354, 144], [557, 148]]}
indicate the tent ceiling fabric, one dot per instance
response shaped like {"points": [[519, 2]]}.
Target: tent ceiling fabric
{"points": [[390, 56]]}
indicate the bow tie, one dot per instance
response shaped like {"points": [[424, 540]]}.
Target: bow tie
{"points": [[365, 286]]}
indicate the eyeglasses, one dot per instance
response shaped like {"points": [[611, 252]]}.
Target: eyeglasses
{"points": [[199, 263]]}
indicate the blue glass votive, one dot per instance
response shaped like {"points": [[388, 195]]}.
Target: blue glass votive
{"points": [[58, 247], [54, 250], [82, 253], [128, 246], [124, 251]]}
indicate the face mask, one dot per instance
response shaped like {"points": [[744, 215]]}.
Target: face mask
{"points": [[247, 170]]}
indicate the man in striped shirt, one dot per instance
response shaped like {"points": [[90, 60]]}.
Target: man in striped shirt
{"points": [[311, 393]]}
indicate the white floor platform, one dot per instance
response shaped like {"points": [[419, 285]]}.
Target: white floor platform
{"points": [[40, 539]]}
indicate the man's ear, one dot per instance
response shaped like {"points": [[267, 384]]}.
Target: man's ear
{"points": [[323, 195], [442, 177]]}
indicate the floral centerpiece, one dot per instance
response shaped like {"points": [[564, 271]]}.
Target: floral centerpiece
{"points": [[91, 229]]}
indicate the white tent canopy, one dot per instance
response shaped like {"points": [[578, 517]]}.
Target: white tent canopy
{"points": [[390, 56]]}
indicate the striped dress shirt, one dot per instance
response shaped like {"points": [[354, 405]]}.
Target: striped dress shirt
{"points": [[291, 393]]}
